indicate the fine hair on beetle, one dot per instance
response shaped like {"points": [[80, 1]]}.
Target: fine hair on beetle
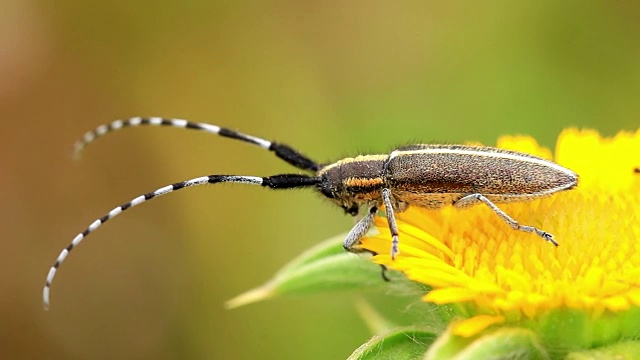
{"points": [[423, 175]]}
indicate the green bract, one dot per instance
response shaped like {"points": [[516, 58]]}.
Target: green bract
{"points": [[324, 267]]}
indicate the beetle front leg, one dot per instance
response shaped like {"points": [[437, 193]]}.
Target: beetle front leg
{"points": [[359, 230]]}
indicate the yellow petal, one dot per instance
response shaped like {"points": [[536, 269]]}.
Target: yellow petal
{"points": [[474, 325]]}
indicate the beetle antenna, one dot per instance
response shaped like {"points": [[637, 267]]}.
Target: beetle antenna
{"points": [[282, 151], [282, 181]]}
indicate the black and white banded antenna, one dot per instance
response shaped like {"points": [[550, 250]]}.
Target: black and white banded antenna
{"points": [[281, 181], [283, 151]]}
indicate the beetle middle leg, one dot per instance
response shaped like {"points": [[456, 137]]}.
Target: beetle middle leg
{"points": [[472, 199], [391, 219]]}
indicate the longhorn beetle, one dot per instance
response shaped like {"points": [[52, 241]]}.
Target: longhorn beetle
{"points": [[429, 176]]}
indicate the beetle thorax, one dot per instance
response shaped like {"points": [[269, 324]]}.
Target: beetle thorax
{"points": [[352, 182]]}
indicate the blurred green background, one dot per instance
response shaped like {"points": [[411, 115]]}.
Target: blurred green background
{"points": [[330, 78]]}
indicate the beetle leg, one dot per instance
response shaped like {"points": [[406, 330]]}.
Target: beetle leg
{"points": [[474, 198], [359, 229], [391, 219]]}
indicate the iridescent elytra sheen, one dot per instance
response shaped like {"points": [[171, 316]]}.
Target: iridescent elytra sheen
{"points": [[429, 176]]}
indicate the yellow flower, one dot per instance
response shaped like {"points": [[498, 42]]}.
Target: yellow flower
{"points": [[491, 274]]}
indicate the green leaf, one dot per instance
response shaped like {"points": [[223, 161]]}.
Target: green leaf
{"points": [[375, 321], [403, 343], [324, 267], [557, 324], [626, 350], [501, 344], [586, 330]]}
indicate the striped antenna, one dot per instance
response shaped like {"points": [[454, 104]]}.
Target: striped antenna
{"points": [[284, 152], [104, 129], [283, 181]]}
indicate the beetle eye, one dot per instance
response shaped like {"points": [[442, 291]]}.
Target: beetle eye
{"points": [[326, 191]]}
